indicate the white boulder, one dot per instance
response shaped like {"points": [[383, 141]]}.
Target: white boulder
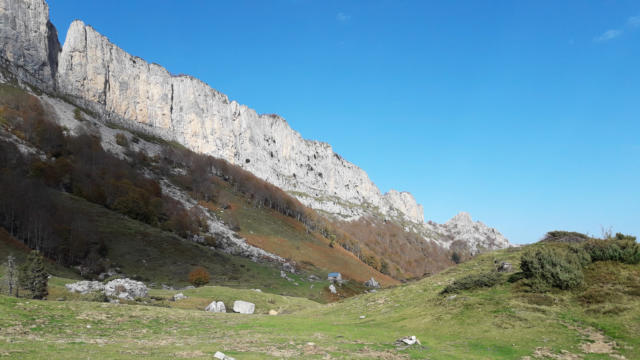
{"points": [[216, 307], [243, 307], [126, 289], [332, 288], [221, 356]]}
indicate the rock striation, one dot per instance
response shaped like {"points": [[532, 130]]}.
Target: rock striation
{"points": [[30, 47]]}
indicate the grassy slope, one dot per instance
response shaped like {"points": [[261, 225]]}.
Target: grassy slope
{"points": [[161, 257], [288, 238], [498, 323]]}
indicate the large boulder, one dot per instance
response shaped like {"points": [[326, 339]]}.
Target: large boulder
{"points": [[243, 307], [85, 287], [126, 289], [216, 307], [372, 283]]}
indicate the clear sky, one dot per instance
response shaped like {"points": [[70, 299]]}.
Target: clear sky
{"points": [[524, 113]]}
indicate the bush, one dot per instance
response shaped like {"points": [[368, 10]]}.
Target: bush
{"points": [[622, 248], [121, 139], [199, 277], [474, 281], [557, 267]]}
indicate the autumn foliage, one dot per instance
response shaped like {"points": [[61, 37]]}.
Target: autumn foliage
{"points": [[199, 276]]}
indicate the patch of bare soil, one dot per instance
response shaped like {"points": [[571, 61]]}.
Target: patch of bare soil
{"points": [[596, 343]]}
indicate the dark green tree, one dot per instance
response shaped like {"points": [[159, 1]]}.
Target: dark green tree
{"points": [[33, 276]]}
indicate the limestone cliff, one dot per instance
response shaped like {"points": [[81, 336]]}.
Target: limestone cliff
{"points": [[93, 72], [29, 43]]}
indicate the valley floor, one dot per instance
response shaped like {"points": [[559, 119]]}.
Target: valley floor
{"points": [[502, 322]]}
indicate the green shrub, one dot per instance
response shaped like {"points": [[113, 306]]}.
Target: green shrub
{"points": [[557, 267], [622, 248], [121, 139], [77, 114], [474, 281], [565, 237]]}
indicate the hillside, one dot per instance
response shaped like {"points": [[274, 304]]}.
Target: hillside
{"points": [[598, 320], [96, 209], [89, 77]]}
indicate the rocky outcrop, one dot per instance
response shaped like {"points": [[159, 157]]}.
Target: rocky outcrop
{"points": [[85, 287], [30, 47], [126, 289], [107, 79], [476, 235]]}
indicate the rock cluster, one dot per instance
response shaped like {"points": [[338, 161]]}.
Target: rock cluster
{"points": [[125, 289]]}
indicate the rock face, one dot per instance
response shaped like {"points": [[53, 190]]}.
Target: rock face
{"points": [[109, 80], [29, 42], [126, 289], [93, 72], [243, 307]]}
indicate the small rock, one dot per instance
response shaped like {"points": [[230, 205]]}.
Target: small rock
{"points": [[408, 341], [283, 274], [449, 298], [179, 296], [273, 312], [332, 288], [221, 356], [505, 267], [88, 326], [257, 290], [243, 307], [362, 316], [372, 283]]}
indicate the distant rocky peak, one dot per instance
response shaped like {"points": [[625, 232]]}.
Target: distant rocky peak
{"points": [[462, 218]]}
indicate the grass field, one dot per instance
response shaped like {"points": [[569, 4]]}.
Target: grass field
{"points": [[502, 322]]}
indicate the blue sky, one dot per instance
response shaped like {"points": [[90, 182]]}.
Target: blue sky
{"points": [[524, 113]]}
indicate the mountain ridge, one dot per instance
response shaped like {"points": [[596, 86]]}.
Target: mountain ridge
{"points": [[104, 78]]}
